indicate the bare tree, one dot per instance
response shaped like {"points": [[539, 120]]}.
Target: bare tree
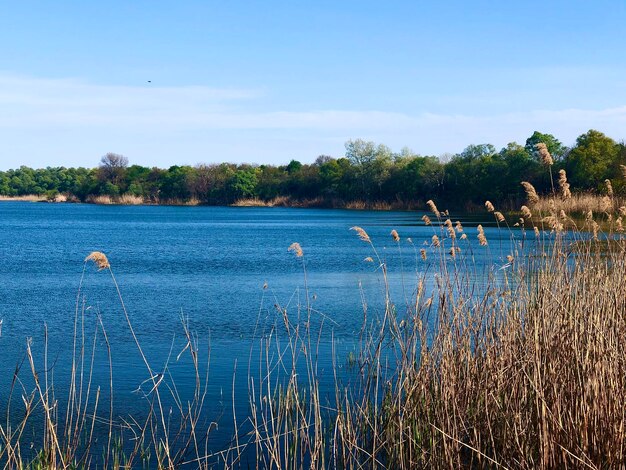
{"points": [[112, 167]]}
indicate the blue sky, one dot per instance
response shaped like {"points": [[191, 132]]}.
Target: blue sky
{"points": [[269, 81]]}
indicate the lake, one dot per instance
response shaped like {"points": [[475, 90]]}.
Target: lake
{"points": [[225, 271]]}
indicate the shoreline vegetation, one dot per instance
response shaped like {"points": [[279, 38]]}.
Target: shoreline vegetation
{"points": [[577, 205], [280, 201], [367, 176]]}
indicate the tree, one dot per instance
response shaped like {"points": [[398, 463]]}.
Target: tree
{"points": [[293, 167], [590, 161], [242, 184], [474, 152], [371, 162], [112, 168], [321, 159], [556, 148]]}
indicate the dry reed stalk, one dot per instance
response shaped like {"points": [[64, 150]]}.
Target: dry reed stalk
{"points": [[433, 208], [531, 194], [579, 203]]}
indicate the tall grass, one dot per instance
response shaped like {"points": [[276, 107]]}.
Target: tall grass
{"points": [[518, 367]]}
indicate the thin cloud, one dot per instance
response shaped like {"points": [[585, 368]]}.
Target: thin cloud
{"points": [[213, 124]]}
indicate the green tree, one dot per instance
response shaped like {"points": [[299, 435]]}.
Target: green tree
{"points": [[372, 163], [555, 147], [242, 184], [590, 162]]}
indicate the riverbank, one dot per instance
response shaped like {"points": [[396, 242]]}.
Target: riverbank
{"points": [[281, 201], [577, 206]]}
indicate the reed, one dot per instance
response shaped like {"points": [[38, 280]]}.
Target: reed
{"points": [[580, 203], [26, 198], [520, 368], [130, 200]]}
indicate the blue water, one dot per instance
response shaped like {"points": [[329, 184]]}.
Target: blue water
{"points": [[207, 265]]}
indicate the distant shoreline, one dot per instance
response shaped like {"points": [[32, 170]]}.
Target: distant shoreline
{"points": [[250, 202]]}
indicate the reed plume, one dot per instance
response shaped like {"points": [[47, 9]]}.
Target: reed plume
{"points": [[435, 241], [481, 236], [395, 236], [423, 253], [544, 155], [531, 193], [489, 206], [450, 228], [609, 187], [296, 249], [595, 229], [564, 185], [458, 226], [362, 234], [499, 216], [426, 219], [526, 212], [623, 168], [553, 222], [99, 260], [433, 208]]}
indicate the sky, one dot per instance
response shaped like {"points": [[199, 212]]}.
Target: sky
{"points": [[171, 83]]}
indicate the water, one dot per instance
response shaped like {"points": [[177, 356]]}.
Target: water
{"points": [[207, 265]]}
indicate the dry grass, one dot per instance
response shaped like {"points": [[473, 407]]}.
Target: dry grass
{"points": [[130, 200], [250, 202], [579, 203], [27, 198], [101, 199]]}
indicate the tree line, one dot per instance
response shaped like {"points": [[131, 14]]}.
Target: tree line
{"points": [[368, 172]]}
